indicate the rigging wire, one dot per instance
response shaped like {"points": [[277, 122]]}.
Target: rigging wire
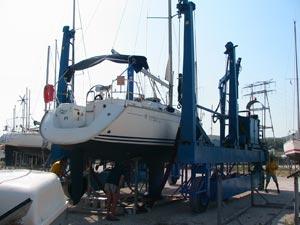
{"points": [[161, 97], [140, 83], [160, 54], [138, 25], [83, 40], [152, 86], [93, 15], [117, 34]]}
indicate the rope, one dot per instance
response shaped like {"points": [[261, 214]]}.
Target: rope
{"points": [[123, 12]]}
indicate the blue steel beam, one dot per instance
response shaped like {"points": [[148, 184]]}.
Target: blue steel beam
{"points": [[211, 154], [233, 96], [62, 87], [187, 140], [130, 83], [62, 92]]}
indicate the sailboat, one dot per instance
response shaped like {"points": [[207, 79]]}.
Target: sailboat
{"points": [[111, 126], [292, 146], [23, 144], [117, 123]]}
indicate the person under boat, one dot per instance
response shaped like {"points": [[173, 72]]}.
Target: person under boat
{"points": [[113, 183], [59, 167]]}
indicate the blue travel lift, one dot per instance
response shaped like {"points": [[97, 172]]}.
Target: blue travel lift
{"points": [[203, 165], [63, 94]]}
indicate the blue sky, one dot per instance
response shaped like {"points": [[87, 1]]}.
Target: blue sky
{"points": [[263, 31]]}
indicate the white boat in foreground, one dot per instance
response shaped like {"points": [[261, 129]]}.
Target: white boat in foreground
{"points": [[31, 197]]}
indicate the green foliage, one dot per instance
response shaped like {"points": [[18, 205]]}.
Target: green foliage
{"points": [[276, 144]]}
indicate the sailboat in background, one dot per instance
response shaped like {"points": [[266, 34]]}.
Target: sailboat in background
{"points": [[292, 146], [23, 144]]}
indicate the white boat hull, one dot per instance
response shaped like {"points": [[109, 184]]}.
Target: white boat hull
{"points": [[25, 148], [26, 140], [112, 127], [292, 149]]}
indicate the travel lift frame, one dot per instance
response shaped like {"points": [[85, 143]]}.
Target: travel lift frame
{"points": [[205, 162], [195, 155]]}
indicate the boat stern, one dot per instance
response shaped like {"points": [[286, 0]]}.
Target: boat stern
{"points": [[72, 124]]}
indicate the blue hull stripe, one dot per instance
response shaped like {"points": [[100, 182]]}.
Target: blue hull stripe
{"points": [[134, 139]]}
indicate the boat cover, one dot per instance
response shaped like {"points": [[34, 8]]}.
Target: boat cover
{"points": [[135, 61], [40, 190]]}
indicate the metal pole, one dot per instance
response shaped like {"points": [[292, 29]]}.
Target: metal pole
{"points": [[297, 78], [219, 200], [47, 72], [29, 102], [170, 53], [73, 47], [252, 189], [55, 67], [136, 165], [296, 219], [14, 119], [26, 110]]}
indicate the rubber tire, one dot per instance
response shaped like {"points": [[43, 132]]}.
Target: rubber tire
{"points": [[172, 180], [199, 203]]}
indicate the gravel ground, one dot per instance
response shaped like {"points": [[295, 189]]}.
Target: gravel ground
{"points": [[179, 213]]}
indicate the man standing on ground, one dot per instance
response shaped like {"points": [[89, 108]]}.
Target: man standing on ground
{"points": [[112, 189], [271, 168]]}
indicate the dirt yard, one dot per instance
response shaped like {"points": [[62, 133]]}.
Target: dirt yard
{"points": [[278, 211]]}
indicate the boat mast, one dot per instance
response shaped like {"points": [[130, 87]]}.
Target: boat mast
{"points": [[297, 78], [14, 119], [26, 110], [29, 102], [170, 53], [47, 73], [73, 47]]}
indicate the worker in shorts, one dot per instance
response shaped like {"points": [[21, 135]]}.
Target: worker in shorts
{"points": [[114, 182], [271, 168]]}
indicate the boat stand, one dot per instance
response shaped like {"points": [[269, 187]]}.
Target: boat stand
{"points": [[296, 198], [235, 217]]}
